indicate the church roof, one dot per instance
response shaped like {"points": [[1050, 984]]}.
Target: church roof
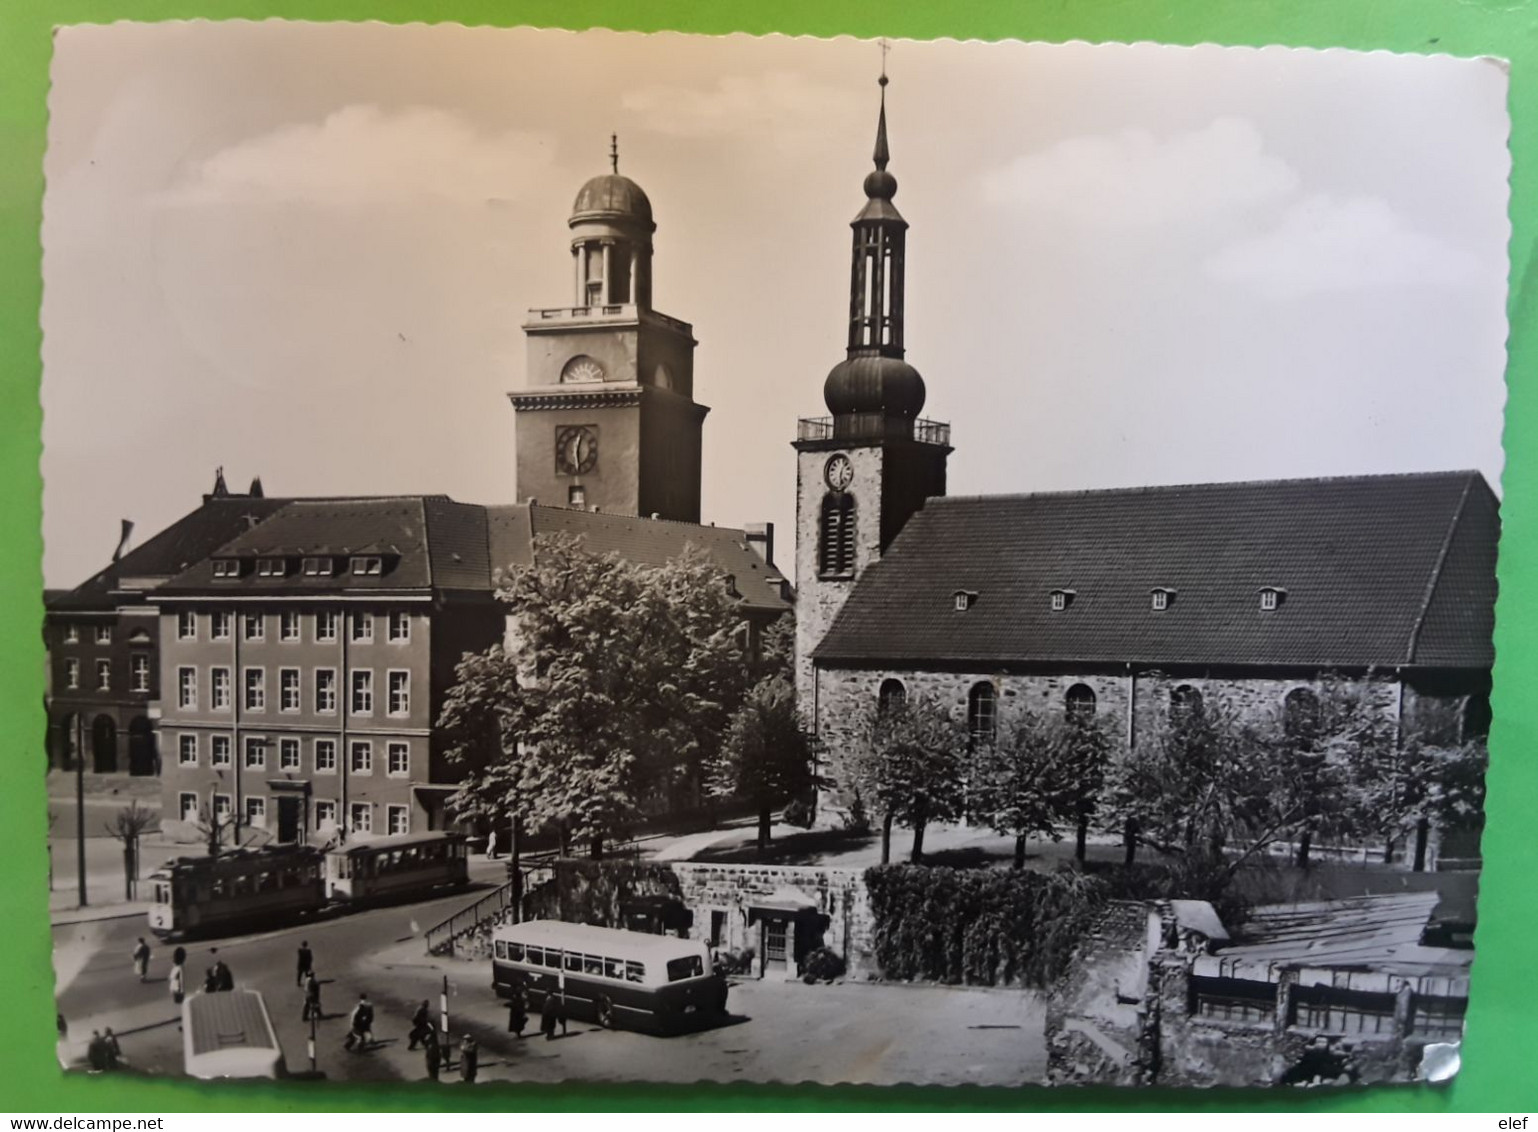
{"points": [[650, 542], [611, 195], [1370, 571]]}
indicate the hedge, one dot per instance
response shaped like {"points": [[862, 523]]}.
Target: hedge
{"points": [[982, 927]]}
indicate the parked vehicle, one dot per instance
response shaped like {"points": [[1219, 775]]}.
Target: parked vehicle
{"points": [[230, 1034]]}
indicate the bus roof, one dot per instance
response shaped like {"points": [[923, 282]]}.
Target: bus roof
{"points": [[224, 1020], [614, 942], [398, 841]]}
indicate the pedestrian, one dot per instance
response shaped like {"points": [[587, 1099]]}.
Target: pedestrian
{"points": [[96, 1053], [421, 1026], [469, 1059], [561, 1014], [114, 1051], [517, 1012], [177, 981], [491, 845], [361, 1033], [142, 960], [306, 963], [179, 956], [547, 1016], [226, 978], [218, 977], [433, 1055], [311, 999]]}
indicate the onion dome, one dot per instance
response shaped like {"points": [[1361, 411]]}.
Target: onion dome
{"points": [[876, 384], [612, 197]]}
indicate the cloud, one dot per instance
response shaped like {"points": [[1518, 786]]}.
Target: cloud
{"points": [[777, 102], [1134, 178], [1323, 244], [363, 154]]}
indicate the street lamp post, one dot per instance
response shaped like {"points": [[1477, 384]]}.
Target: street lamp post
{"points": [[80, 807]]}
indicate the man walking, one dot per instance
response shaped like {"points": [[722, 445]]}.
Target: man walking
{"points": [[306, 963], [469, 1060], [142, 960], [311, 998], [433, 1054], [361, 1034], [421, 1026]]}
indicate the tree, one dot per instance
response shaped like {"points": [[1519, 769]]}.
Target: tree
{"points": [[127, 826], [212, 826], [912, 770], [766, 755], [1023, 784]]}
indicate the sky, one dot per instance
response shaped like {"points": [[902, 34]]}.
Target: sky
{"points": [[304, 251]]}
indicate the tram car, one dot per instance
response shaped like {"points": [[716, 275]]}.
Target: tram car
{"points": [[206, 895], [396, 868]]}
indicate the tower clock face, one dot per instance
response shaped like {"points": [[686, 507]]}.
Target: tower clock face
{"points": [[839, 472], [581, 369], [576, 450]]}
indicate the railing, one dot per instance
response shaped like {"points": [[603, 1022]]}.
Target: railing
{"points": [[603, 310], [872, 426], [441, 937]]}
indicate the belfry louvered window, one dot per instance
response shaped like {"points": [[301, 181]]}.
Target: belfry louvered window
{"points": [[836, 548]]}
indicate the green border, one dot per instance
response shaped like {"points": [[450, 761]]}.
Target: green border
{"points": [[1502, 1043]]}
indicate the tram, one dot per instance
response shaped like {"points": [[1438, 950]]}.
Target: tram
{"points": [[394, 868]]}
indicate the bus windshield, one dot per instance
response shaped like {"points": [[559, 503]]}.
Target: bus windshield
{"points": [[689, 967]]}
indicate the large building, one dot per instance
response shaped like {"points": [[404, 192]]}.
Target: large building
{"points": [[1130, 604]]}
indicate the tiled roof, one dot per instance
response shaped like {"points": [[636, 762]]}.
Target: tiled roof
{"points": [[1376, 571], [648, 541], [185, 542]]}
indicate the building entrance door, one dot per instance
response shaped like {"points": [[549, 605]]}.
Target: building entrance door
{"points": [[290, 810], [776, 947]]}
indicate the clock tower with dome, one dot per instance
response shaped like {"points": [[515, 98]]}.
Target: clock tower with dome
{"points": [[864, 470], [608, 418]]}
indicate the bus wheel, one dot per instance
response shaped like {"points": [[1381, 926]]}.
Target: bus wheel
{"points": [[605, 1012]]}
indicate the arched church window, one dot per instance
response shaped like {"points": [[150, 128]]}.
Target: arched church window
{"points": [[982, 714], [892, 698], [835, 552], [1080, 703], [1185, 704], [1300, 714], [1476, 718]]}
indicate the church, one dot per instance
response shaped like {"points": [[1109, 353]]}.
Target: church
{"points": [[1125, 604]]}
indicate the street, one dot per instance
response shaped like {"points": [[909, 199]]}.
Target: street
{"points": [[852, 1032]]}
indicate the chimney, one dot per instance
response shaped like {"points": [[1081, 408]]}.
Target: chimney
{"points": [[122, 542], [760, 536]]}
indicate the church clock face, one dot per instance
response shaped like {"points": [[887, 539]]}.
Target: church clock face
{"points": [[839, 472], [581, 369], [576, 450]]}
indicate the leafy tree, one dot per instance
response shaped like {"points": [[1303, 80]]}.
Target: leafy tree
{"points": [[1024, 784], [912, 770], [766, 755]]}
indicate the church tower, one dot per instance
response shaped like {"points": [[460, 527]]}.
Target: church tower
{"points": [[608, 418], [862, 472]]}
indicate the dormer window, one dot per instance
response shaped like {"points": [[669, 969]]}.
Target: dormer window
{"points": [[1271, 598], [963, 600], [317, 567], [1162, 599], [367, 564], [1061, 600], [271, 567], [226, 568]]}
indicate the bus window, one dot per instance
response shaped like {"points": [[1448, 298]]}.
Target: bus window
{"points": [[635, 973], [574, 962], [689, 967], [592, 965], [614, 968], [501, 947], [536, 956], [515, 952], [553, 959]]}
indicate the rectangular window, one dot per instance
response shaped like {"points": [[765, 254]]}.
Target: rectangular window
{"points": [[72, 674], [72, 635], [104, 634], [288, 689], [219, 691], [256, 689], [400, 692], [325, 691], [400, 760], [219, 755], [187, 750], [271, 567], [325, 626], [256, 627], [256, 753], [187, 688], [256, 813], [317, 567], [104, 676], [288, 625], [139, 672], [362, 761], [363, 692], [219, 626], [226, 568], [363, 627], [366, 564], [288, 754], [362, 817], [224, 806], [325, 814], [187, 804], [186, 625], [1161, 599], [398, 819], [400, 627], [325, 756]]}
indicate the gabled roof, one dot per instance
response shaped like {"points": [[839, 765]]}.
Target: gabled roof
{"points": [[430, 542], [1376, 571], [650, 542]]}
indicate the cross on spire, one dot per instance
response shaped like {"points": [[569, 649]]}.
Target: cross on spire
{"points": [[614, 152]]}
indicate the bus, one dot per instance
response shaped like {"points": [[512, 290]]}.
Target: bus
{"points": [[199, 895], [393, 868], [619, 979], [230, 1034]]}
